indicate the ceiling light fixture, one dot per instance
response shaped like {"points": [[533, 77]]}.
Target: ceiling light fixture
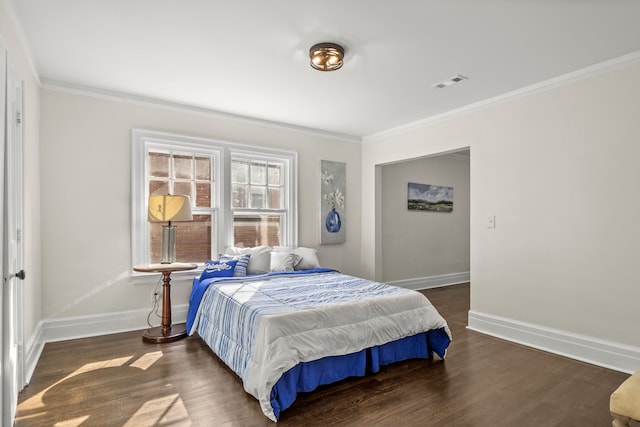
{"points": [[326, 56]]}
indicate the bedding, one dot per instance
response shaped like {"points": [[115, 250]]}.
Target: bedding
{"points": [[308, 256], [284, 261], [287, 332], [241, 265], [259, 261], [224, 268]]}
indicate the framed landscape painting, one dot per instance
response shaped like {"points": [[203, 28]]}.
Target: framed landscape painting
{"points": [[429, 198]]}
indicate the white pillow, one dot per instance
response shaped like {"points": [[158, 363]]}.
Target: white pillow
{"points": [[260, 261], [308, 258], [283, 261]]}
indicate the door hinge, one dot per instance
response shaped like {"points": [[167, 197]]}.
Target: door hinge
{"points": [[19, 118]]}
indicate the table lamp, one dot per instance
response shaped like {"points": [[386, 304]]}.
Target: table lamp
{"points": [[167, 208]]}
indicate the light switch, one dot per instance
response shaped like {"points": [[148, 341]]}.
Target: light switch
{"points": [[492, 221]]}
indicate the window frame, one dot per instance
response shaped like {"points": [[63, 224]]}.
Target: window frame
{"points": [[222, 152], [288, 224]]}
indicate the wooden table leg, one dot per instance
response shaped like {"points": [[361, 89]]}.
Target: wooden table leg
{"points": [[166, 332]]}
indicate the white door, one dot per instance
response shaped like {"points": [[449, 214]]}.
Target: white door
{"points": [[13, 273], [3, 74]]}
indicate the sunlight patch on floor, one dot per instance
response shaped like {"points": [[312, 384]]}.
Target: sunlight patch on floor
{"points": [[71, 423], [146, 360], [35, 406], [167, 410], [36, 402]]}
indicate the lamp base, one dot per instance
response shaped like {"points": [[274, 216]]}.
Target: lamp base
{"points": [[158, 336], [168, 244]]}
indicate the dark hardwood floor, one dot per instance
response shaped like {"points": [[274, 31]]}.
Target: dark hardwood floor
{"points": [[118, 380]]}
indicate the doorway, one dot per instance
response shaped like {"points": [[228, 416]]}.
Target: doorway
{"points": [[425, 220]]}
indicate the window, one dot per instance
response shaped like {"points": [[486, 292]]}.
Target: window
{"points": [[191, 174], [240, 195], [257, 201]]}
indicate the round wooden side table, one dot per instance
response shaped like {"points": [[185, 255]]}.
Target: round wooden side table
{"points": [[166, 332]]}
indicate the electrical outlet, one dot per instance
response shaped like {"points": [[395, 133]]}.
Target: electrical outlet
{"points": [[492, 221]]}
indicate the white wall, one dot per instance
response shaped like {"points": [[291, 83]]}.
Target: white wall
{"points": [[559, 169], [31, 311], [424, 244], [86, 181]]}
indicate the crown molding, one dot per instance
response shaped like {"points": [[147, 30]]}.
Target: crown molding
{"points": [[99, 93], [562, 80]]}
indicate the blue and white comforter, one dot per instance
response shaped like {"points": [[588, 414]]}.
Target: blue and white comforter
{"points": [[263, 326]]}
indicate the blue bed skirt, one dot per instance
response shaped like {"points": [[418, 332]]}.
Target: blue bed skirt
{"points": [[307, 376]]}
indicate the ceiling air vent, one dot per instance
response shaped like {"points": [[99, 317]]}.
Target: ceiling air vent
{"points": [[448, 82]]}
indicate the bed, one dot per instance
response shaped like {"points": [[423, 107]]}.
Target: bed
{"points": [[288, 332]]}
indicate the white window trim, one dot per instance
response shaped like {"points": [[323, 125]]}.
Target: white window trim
{"points": [[142, 140]]}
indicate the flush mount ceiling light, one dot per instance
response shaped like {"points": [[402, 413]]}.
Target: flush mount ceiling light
{"points": [[326, 56]]}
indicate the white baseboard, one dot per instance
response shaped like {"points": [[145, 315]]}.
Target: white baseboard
{"points": [[428, 282], [587, 349], [104, 324], [34, 348]]}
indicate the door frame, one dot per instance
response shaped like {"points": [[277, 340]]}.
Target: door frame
{"points": [[3, 79], [12, 346]]}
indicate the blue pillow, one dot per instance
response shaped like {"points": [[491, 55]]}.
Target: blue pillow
{"points": [[218, 269], [241, 267]]}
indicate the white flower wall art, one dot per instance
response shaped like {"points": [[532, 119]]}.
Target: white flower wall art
{"points": [[332, 201]]}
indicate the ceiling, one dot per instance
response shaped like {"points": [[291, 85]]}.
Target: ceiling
{"points": [[250, 58]]}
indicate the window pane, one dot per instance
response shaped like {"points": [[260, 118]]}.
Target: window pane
{"points": [[258, 198], [203, 194], [239, 196], [274, 174], [274, 198], [182, 166], [158, 164], [239, 172], [183, 188], [203, 168], [256, 230], [258, 173], [157, 188], [193, 240]]}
